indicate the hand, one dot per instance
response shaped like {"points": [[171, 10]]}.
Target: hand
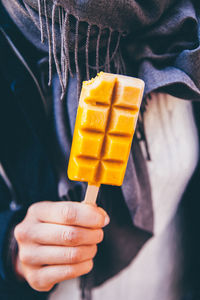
{"points": [[57, 241]]}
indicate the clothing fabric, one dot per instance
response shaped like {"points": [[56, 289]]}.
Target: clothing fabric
{"points": [[141, 207], [61, 128], [170, 128], [171, 65], [31, 138]]}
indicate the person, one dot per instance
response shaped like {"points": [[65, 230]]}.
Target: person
{"points": [[47, 235]]}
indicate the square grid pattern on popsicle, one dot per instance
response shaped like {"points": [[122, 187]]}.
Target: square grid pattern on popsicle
{"points": [[106, 130]]}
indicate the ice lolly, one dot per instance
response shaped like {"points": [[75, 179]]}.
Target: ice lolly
{"points": [[105, 123]]}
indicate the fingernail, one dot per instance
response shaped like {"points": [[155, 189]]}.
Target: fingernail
{"points": [[107, 221]]}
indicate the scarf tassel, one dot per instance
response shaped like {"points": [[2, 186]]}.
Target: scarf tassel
{"points": [[63, 61]]}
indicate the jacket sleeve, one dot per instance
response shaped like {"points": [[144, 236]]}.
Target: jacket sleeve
{"points": [[10, 215]]}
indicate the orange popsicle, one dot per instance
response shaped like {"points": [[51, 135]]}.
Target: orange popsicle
{"points": [[105, 123]]}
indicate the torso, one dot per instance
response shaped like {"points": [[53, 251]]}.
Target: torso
{"points": [[173, 144]]}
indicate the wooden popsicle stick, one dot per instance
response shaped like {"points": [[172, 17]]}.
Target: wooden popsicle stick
{"points": [[91, 194]]}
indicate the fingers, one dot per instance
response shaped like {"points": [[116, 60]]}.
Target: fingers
{"points": [[55, 255], [43, 279], [57, 241], [54, 234], [70, 213]]}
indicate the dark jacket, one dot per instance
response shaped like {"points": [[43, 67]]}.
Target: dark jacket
{"points": [[23, 149]]}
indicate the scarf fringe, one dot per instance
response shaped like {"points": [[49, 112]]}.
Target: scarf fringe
{"points": [[41, 21], [97, 50], [64, 66], [108, 52], [76, 60], [49, 42], [87, 51], [66, 43], [63, 60]]}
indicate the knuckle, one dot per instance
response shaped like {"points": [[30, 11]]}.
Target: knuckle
{"points": [[69, 213], [21, 232], [75, 255], [70, 236], [69, 272], [33, 280], [17, 232], [32, 209], [38, 282], [25, 256]]}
